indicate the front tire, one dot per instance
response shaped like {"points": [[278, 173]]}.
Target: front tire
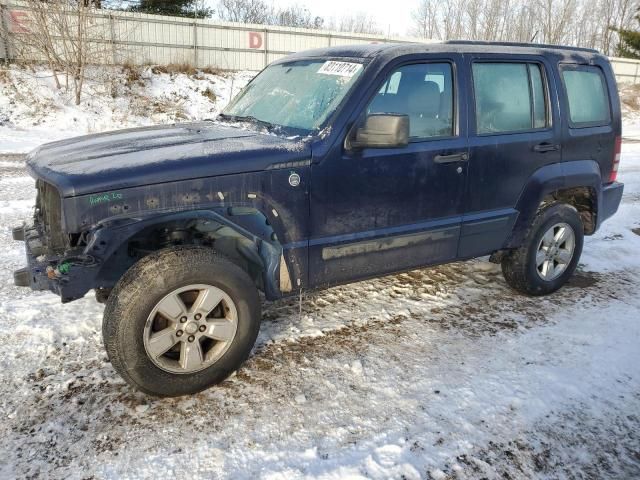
{"points": [[549, 253], [181, 320]]}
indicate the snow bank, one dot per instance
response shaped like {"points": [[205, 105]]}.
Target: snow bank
{"points": [[33, 111]]}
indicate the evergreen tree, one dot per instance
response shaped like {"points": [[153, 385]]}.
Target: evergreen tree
{"points": [[176, 8], [629, 46]]}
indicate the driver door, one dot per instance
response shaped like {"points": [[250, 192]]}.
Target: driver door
{"points": [[377, 211]]}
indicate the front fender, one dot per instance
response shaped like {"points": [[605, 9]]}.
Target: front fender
{"points": [[106, 257], [284, 207], [109, 240]]}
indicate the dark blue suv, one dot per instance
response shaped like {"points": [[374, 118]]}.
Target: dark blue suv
{"points": [[331, 166]]}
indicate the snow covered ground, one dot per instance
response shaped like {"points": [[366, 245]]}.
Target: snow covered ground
{"points": [[441, 373]]}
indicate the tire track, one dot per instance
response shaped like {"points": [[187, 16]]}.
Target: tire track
{"points": [[78, 374]]}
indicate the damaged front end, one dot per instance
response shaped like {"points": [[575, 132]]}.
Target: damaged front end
{"points": [[112, 239], [50, 252]]}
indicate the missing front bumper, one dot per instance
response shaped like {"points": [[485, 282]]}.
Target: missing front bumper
{"points": [[34, 275]]}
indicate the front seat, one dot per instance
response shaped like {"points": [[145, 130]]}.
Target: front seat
{"points": [[424, 108]]}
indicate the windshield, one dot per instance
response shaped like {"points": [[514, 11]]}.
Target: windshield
{"points": [[297, 95]]}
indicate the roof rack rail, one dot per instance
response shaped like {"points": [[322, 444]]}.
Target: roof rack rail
{"points": [[521, 44]]}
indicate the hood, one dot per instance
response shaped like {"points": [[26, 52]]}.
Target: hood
{"points": [[152, 155]]}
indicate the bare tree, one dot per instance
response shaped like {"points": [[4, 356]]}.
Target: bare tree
{"points": [[360, 22], [260, 12], [426, 22], [245, 11], [297, 16], [67, 36], [588, 23]]}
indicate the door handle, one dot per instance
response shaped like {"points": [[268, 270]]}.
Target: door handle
{"points": [[454, 157], [546, 147]]}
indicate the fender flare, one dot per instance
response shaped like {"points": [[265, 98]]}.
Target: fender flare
{"points": [[547, 180], [109, 236]]}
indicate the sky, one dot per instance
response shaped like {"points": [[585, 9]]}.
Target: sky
{"points": [[393, 17]]}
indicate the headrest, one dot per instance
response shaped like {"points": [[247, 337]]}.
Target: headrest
{"points": [[425, 99]]}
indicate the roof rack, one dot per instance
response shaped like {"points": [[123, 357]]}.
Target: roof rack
{"points": [[520, 44]]}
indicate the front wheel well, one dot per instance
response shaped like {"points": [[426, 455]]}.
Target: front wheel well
{"points": [[223, 239], [254, 255], [583, 199]]}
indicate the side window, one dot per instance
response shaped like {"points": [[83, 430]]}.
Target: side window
{"points": [[510, 97], [424, 92], [391, 85], [587, 96]]}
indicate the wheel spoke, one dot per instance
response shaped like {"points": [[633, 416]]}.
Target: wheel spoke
{"points": [[190, 355], [541, 256], [564, 256], [548, 238], [220, 329], [161, 342], [208, 299], [172, 307], [547, 269], [563, 235]]}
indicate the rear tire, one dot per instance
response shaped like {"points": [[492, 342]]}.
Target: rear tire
{"points": [[549, 253], [155, 307]]}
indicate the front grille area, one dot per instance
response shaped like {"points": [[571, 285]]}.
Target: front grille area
{"points": [[48, 218]]}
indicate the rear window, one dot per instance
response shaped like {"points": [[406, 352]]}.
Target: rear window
{"points": [[587, 96], [510, 97]]}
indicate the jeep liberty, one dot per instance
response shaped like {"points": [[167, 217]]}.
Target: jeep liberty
{"points": [[331, 166]]}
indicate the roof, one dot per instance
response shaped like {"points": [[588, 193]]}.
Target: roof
{"points": [[371, 50]]}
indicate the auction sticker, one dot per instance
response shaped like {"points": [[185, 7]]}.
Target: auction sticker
{"points": [[342, 69]]}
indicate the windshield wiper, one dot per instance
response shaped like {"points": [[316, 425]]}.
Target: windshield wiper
{"points": [[250, 119]]}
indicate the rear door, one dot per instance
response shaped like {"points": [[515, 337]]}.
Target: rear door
{"points": [[514, 131]]}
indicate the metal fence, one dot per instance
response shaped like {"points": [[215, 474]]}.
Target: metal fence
{"points": [[626, 69], [156, 39]]}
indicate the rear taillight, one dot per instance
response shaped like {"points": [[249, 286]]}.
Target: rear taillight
{"points": [[616, 160]]}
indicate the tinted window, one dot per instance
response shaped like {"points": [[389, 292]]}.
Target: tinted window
{"points": [[587, 95], [509, 97], [424, 92]]}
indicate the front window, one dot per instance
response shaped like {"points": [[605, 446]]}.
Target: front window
{"points": [[423, 92], [297, 95]]}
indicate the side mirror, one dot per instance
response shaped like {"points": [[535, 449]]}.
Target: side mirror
{"points": [[383, 130]]}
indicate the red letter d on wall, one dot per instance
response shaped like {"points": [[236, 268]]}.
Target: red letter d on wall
{"points": [[255, 40]]}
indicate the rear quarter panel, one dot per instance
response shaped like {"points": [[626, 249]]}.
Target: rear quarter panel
{"points": [[595, 143]]}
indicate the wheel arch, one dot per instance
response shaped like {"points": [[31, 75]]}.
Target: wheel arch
{"points": [[243, 234], [577, 183]]}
